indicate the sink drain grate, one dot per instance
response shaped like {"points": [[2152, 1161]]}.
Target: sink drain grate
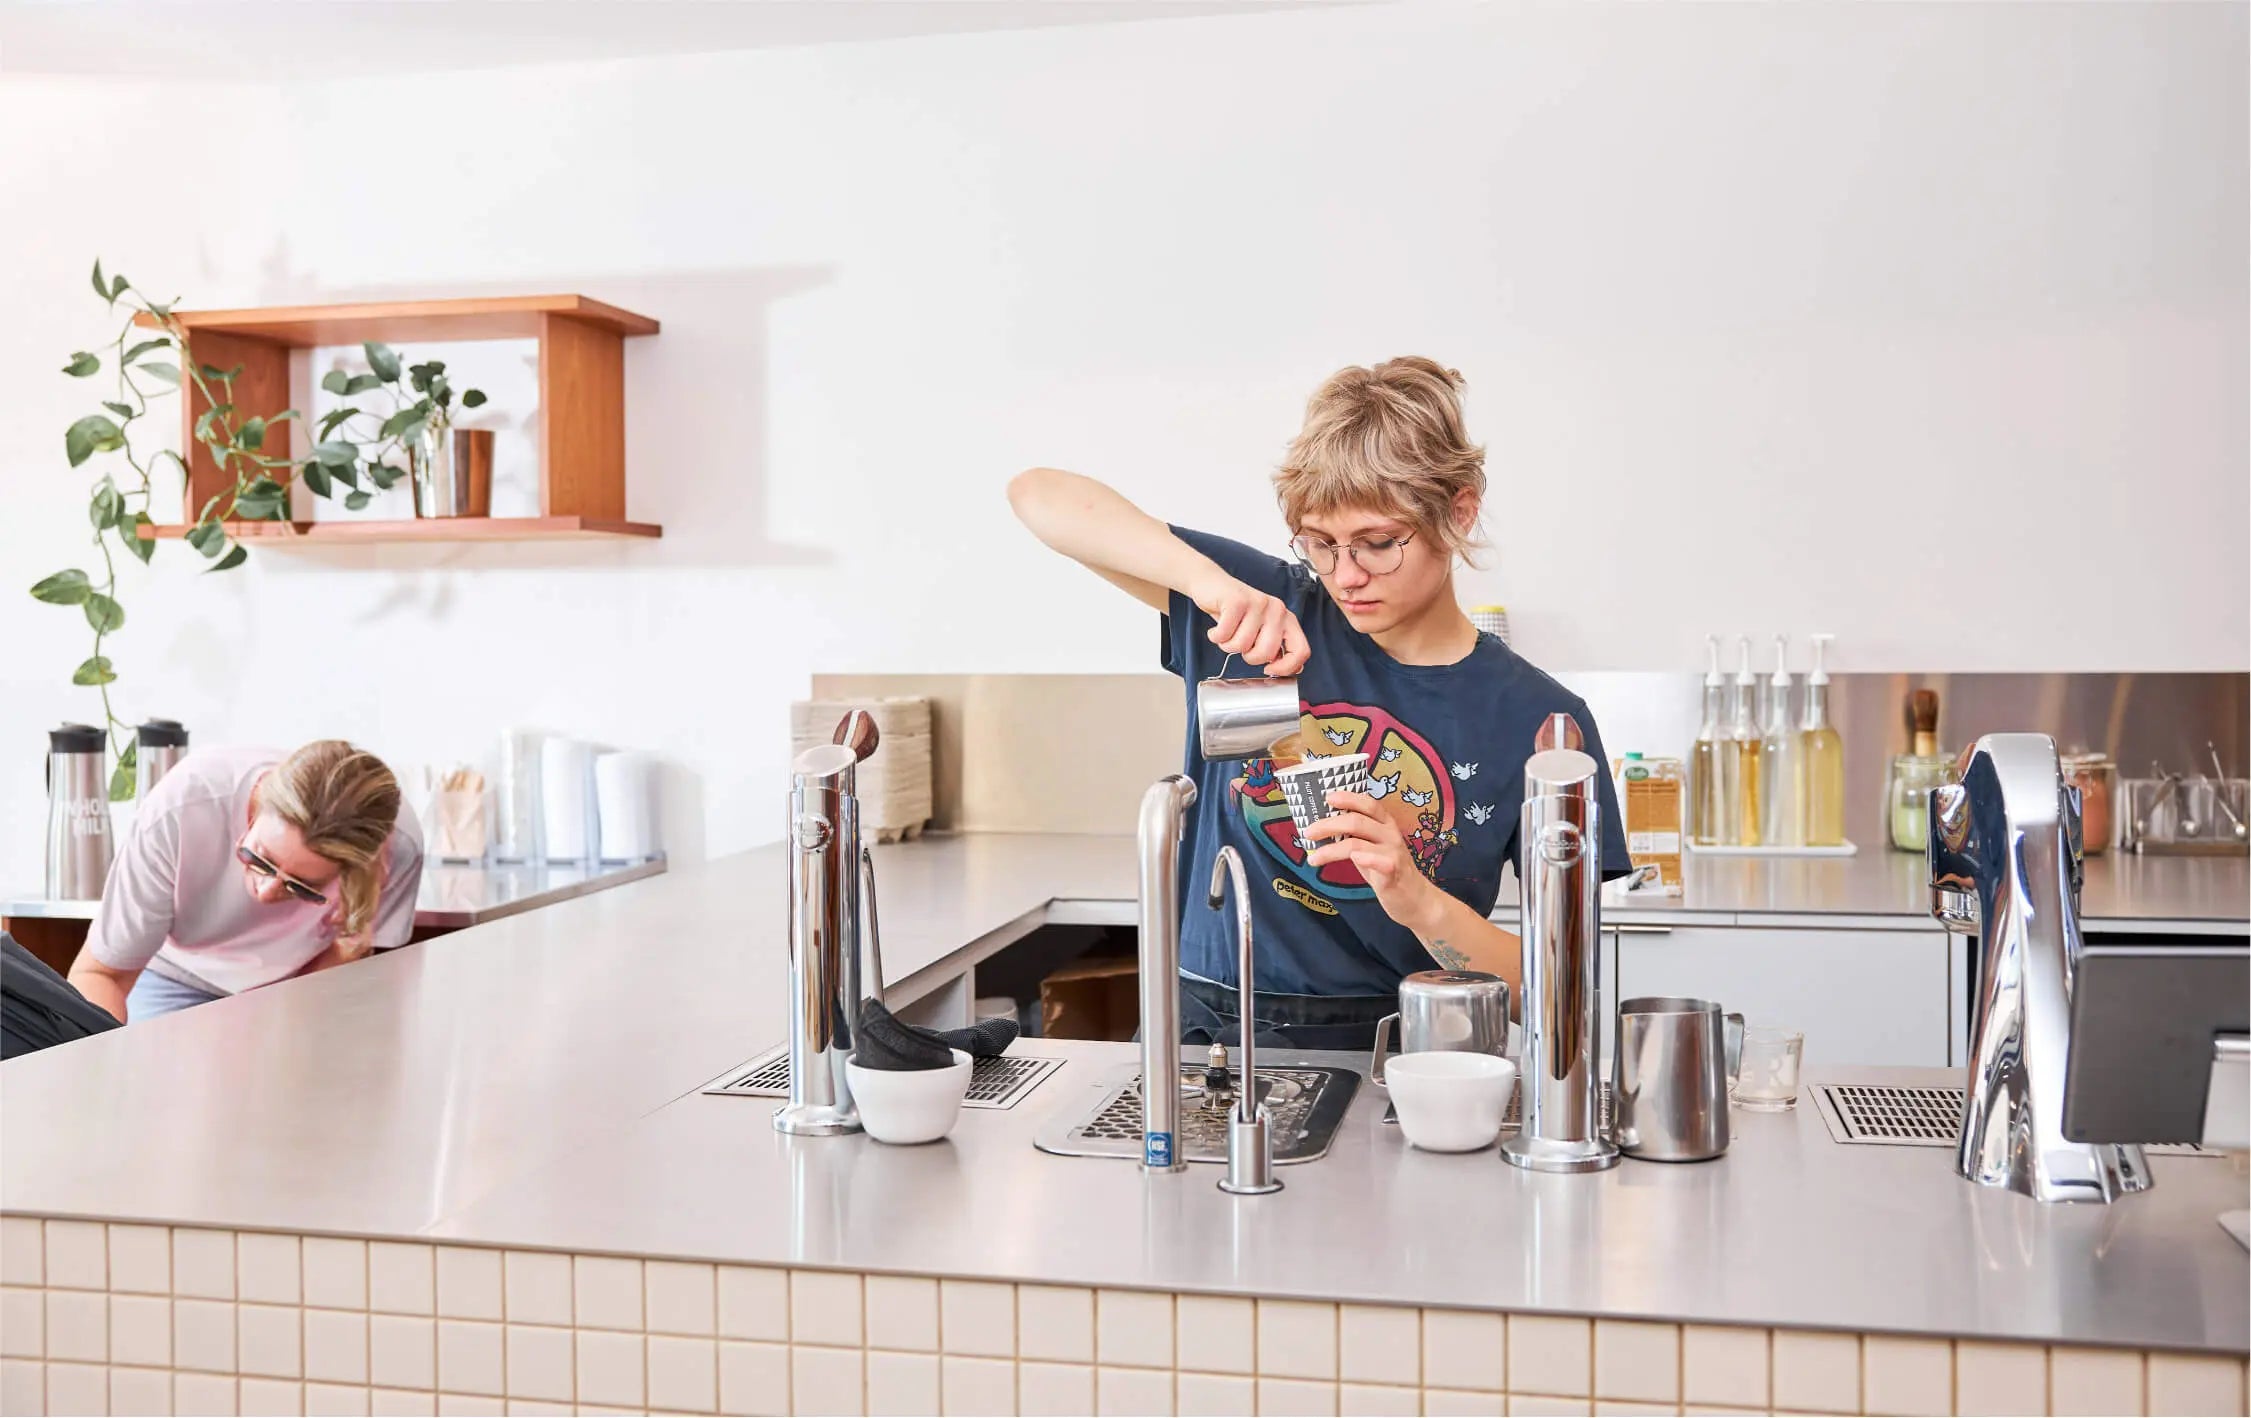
{"points": [[993, 1083], [1304, 1107], [1893, 1115]]}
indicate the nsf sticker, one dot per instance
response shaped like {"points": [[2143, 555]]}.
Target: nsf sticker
{"points": [[1156, 1149]]}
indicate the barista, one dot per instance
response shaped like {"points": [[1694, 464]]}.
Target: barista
{"points": [[1380, 495]]}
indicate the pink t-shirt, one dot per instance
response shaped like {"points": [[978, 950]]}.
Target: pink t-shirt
{"points": [[175, 900]]}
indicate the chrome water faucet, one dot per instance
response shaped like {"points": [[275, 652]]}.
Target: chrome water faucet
{"points": [[1250, 1145], [1559, 843], [827, 867], [2005, 867], [1163, 808]]}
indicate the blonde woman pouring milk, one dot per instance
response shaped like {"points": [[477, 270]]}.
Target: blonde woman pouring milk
{"points": [[245, 867], [1379, 496]]}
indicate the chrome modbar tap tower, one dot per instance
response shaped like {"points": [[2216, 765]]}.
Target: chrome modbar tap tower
{"points": [[1164, 809], [1559, 848], [826, 865], [2005, 867]]}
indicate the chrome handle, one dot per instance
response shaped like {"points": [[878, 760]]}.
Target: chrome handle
{"points": [[1383, 1049], [875, 934]]}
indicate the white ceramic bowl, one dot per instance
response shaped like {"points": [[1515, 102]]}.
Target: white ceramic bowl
{"points": [[1450, 1102], [909, 1105]]}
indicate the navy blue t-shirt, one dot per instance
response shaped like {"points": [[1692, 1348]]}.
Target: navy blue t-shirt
{"points": [[1446, 744]]}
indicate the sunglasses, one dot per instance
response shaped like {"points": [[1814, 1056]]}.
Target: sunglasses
{"points": [[290, 884]]}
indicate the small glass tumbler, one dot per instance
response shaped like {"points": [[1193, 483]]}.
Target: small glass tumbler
{"points": [[1768, 1082]]}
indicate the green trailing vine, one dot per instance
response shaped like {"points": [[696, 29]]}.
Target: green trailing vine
{"points": [[146, 366]]}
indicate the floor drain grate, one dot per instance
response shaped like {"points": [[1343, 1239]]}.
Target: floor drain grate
{"points": [[1894, 1115], [993, 1083]]}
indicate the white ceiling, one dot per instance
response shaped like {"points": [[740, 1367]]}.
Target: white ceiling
{"points": [[250, 39]]}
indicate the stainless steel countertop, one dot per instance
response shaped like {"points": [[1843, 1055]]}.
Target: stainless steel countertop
{"points": [[2120, 889], [453, 894], [1789, 1228], [510, 1084]]}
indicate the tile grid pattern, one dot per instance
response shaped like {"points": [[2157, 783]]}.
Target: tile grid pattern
{"points": [[99, 1318]]}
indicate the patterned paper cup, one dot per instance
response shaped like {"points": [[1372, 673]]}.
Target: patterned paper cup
{"points": [[1306, 786]]}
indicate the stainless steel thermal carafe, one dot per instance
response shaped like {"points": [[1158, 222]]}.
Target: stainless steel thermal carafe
{"points": [[159, 744], [78, 837]]}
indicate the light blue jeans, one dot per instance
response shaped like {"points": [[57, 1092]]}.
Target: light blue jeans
{"points": [[153, 994]]}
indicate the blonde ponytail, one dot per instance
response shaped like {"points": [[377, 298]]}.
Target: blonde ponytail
{"points": [[344, 802]]}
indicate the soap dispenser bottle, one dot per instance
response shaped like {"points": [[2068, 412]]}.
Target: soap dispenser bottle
{"points": [[1709, 814], [1743, 747], [1821, 760], [1778, 757]]}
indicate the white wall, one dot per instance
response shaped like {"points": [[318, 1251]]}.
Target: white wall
{"points": [[1924, 325]]}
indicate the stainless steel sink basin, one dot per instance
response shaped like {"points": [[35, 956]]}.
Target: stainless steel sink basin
{"points": [[1306, 1103]]}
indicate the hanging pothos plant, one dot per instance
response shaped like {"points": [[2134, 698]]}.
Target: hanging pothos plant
{"points": [[147, 359]]}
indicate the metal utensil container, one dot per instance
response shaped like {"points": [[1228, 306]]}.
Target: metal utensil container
{"points": [[1452, 1011], [2154, 816]]}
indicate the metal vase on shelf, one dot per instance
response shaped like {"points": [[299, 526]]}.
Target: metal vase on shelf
{"points": [[453, 472]]}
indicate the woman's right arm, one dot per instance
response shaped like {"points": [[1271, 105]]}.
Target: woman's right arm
{"points": [[136, 911], [1091, 524], [101, 984]]}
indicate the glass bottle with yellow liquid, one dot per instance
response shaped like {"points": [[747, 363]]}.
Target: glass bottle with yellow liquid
{"points": [[1742, 749], [1710, 806], [1778, 758], [1821, 760]]}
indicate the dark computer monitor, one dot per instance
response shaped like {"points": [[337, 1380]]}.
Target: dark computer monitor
{"points": [[2147, 1013]]}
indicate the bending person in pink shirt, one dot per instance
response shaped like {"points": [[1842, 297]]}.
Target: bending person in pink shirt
{"points": [[245, 867]]}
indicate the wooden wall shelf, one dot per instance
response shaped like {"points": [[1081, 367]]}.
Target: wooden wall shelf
{"points": [[581, 403], [361, 531]]}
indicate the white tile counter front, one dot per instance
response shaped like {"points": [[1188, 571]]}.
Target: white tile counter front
{"points": [[476, 1177]]}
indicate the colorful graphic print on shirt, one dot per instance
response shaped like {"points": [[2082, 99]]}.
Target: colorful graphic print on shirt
{"points": [[1411, 786]]}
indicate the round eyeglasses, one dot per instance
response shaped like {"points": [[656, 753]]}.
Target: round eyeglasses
{"points": [[1374, 555]]}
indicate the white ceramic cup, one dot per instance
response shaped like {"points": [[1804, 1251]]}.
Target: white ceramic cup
{"points": [[909, 1105], [1450, 1102]]}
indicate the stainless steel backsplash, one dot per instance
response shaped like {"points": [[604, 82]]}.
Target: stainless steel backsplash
{"points": [[1072, 753]]}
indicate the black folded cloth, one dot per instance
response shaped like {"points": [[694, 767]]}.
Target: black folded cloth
{"points": [[889, 1042], [39, 1008]]}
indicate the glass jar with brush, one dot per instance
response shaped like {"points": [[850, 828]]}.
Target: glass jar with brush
{"points": [[1912, 775]]}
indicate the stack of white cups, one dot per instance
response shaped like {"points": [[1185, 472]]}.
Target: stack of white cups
{"points": [[516, 810], [566, 791], [625, 792]]}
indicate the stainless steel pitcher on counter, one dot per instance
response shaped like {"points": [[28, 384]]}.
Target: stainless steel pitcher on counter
{"points": [[78, 836], [1674, 1061]]}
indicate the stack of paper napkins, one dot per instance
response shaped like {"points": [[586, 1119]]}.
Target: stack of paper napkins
{"points": [[895, 781]]}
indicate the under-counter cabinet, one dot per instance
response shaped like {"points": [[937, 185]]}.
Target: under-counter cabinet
{"points": [[1860, 996]]}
